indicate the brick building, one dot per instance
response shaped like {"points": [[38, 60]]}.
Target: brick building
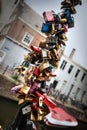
{"points": [[23, 31]]}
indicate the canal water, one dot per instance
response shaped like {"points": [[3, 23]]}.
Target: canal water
{"points": [[8, 112]]}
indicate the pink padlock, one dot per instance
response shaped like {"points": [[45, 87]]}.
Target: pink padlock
{"points": [[48, 16]]}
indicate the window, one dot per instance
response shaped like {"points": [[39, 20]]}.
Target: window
{"points": [[83, 76], [83, 95], [70, 69], [63, 85], [55, 82], [77, 73], [77, 92], [63, 64], [71, 88], [27, 39], [2, 55], [26, 63]]}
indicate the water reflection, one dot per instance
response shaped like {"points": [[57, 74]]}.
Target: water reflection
{"points": [[8, 112], [8, 109]]}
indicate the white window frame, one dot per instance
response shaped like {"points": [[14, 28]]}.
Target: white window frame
{"points": [[28, 35]]}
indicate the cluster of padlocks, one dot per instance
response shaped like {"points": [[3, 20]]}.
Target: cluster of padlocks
{"points": [[40, 63]]}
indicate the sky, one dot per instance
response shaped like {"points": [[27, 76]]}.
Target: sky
{"points": [[77, 36]]}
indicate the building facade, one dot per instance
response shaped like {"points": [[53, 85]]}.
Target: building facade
{"points": [[72, 80], [20, 36]]}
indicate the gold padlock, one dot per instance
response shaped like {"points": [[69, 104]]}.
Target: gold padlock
{"points": [[24, 90], [40, 114], [44, 65]]}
